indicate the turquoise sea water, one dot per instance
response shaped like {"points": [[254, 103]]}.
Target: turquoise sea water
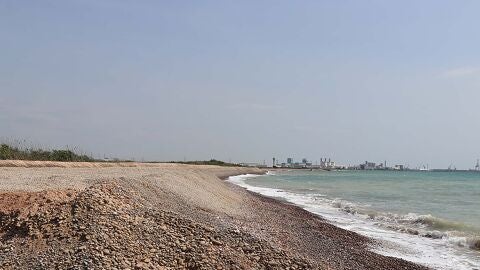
{"points": [[438, 212]]}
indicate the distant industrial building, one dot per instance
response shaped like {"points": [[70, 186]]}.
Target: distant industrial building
{"points": [[399, 167], [305, 163], [380, 166], [368, 166], [324, 164]]}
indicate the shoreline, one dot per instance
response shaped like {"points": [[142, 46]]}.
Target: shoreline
{"points": [[186, 216], [316, 238], [420, 247]]}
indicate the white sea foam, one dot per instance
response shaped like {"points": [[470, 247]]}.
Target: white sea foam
{"points": [[402, 236]]}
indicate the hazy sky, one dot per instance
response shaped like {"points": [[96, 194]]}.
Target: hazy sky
{"points": [[245, 80]]}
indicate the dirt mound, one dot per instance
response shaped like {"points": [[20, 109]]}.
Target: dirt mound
{"points": [[27, 203], [103, 227]]}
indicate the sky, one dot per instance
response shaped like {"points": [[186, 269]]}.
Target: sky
{"points": [[245, 80]]}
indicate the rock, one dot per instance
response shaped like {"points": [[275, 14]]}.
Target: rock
{"points": [[140, 265], [216, 242]]}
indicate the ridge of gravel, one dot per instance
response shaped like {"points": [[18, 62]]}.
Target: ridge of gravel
{"points": [[167, 216], [102, 227]]}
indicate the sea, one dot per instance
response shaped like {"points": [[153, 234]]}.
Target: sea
{"points": [[431, 218]]}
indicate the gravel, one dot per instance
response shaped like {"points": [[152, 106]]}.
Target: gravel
{"points": [[164, 217]]}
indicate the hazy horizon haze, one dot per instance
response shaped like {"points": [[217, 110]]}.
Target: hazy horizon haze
{"points": [[245, 81]]}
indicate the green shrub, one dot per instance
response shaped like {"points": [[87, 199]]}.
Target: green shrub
{"points": [[6, 152], [207, 162], [10, 152]]}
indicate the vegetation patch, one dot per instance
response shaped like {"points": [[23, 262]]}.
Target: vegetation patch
{"points": [[208, 162], [9, 152]]}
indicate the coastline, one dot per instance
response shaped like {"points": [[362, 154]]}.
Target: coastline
{"points": [[312, 236], [236, 228], [416, 228]]}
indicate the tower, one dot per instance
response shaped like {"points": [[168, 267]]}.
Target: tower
{"points": [[273, 163]]}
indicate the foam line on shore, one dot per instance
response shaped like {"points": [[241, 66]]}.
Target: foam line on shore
{"points": [[438, 253]]}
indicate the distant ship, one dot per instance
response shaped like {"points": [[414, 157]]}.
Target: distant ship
{"points": [[477, 167], [424, 168], [452, 168]]}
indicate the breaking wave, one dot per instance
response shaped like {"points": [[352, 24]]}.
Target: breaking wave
{"points": [[428, 226], [338, 211]]}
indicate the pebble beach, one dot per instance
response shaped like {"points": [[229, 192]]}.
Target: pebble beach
{"points": [[57, 215]]}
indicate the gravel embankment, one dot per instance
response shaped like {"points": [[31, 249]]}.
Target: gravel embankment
{"points": [[163, 216]]}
